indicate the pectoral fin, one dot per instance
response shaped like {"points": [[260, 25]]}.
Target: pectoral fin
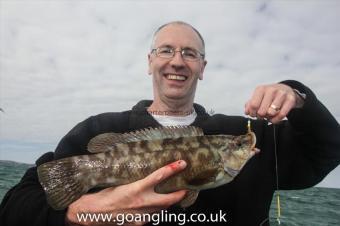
{"points": [[189, 199], [203, 178]]}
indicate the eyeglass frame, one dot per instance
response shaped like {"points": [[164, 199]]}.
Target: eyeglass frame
{"points": [[202, 55]]}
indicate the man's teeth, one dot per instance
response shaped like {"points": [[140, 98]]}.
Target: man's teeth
{"points": [[176, 77]]}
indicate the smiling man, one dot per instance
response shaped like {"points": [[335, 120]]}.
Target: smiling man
{"points": [[176, 62], [308, 146]]}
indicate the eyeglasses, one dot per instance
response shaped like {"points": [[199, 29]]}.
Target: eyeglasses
{"points": [[168, 52]]}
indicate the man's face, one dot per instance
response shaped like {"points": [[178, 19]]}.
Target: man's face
{"points": [[175, 78]]}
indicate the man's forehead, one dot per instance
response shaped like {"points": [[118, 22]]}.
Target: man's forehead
{"points": [[180, 33]]}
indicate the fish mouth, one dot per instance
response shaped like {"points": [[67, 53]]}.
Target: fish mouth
{"points": [[176, 77], [232, 172], [256, 150]]}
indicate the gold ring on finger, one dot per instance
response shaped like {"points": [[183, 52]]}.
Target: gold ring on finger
{"points": [[274, 107]]}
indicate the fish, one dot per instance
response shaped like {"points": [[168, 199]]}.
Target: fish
{"points": [[122, 158]]}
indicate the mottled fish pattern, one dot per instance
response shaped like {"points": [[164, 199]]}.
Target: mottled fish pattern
{"points": [[117, 159]]}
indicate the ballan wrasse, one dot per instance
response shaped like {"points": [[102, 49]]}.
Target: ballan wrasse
{"points": [[117, 159]]}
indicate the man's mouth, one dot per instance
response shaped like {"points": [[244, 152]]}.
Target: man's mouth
{"points": [[176, 77]]}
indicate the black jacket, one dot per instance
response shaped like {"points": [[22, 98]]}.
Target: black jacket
{"points": [[308, 147]]}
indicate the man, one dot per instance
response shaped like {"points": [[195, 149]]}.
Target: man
{"points": [[307, 145]]}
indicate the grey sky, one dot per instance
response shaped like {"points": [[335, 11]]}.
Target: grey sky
{"points": [[63, 61]]}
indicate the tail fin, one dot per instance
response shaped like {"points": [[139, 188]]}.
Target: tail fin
{"points": [[62, 181]]}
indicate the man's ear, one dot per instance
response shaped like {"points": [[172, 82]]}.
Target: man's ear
{"points": [[200, 77], [150, 62]]}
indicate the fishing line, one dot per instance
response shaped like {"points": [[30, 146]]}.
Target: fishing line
{"points": [[277, 181], [278, 205]]}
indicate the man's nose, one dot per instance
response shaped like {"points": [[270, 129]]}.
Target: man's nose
{"points": [[177, 60]]}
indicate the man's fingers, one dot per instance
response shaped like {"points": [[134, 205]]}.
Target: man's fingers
{"points": [[163, 173], [272, 102], [254, 103], [265, 104], [272, 111], [154, 199], [283, 112], [275, 106]]}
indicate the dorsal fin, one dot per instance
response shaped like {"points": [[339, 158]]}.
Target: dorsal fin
{"points": [[105, 142]]}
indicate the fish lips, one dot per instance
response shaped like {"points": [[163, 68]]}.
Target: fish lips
{"points": [[230, 171]]}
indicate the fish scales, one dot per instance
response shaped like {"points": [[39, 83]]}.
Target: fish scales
{"points": [[99, 170], [212, 160], [144, 161]]}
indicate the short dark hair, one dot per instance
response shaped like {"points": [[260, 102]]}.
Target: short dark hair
{"points": [[181, 23]]}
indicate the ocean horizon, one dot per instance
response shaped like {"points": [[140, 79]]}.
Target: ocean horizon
{"points": [[316, 206]]}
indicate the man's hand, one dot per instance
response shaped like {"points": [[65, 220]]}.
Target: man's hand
{"points": [[273, 102], [138, 197]]}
